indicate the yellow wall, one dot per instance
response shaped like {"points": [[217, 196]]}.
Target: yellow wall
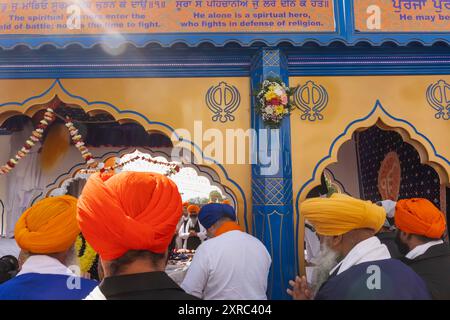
{"points": [[352, 98], [174, 102]]}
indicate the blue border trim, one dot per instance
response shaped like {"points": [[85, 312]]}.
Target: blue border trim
{"points": [[89, 103], [189, 39], [345, 33], [347, 128], [337, 181]]}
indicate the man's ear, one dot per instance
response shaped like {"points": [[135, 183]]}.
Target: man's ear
{"points": [[336, 241], [404, 236]]}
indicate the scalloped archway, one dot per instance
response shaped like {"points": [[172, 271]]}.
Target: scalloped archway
{"points": [[380, 117], [31, 105], [60, 185]]}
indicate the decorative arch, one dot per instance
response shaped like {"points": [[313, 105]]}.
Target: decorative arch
{"points": [[381, 117], [63, 180], [33, 104]]}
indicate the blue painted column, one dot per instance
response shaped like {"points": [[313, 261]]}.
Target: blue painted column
{"points": [[272, 180]]}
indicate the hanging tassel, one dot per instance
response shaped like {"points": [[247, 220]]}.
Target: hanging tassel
{"points": [[56, 144]]}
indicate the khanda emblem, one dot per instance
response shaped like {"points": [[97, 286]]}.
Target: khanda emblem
{"points": [[223, 100], [438, 96], [311, 99]]}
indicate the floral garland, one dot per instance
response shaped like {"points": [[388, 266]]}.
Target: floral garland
{"points": [[87, 257], [35, 136], [273, 102], [79, 144], [173, 167]]}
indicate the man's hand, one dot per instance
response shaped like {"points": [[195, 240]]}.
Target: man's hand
{"points": [[192, 233], [300, 289]]}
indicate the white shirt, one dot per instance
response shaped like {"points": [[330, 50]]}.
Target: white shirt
{"points": [[45, 265], [231, 266], [183, 233], [368, 250], [421, 249]]}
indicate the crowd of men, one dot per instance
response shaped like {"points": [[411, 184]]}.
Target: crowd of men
{"points": [[130, 219]]}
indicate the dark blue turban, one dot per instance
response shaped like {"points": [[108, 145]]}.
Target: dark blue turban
{"points": [[213, 212]]}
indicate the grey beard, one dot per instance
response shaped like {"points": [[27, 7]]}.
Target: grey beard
{"points": [[325, 262]]}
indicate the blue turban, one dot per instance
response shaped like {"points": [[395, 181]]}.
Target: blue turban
{"points": [[213, 212]]}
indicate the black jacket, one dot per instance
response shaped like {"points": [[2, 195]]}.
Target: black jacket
{"points": [[143, 286], [434, 268]]}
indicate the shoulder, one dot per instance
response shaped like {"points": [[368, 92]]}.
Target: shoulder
{"points": [[46, 286], [88, 284], [384, 279]]}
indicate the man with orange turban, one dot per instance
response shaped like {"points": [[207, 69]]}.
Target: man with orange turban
{"points": [[46, 233], [192, 233], [353, 263], [420, 229], [129, 220]]}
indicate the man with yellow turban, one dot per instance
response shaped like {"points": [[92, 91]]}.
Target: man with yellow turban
{"points": [[129, 220], [353, 263], [191, 232], [46, 233], [420, 229]]}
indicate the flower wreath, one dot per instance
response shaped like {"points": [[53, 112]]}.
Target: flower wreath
{"points": [[273, 102], [86, 254]]}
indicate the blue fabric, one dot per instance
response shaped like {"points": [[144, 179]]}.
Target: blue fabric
{"points": [[397, 282], [212, 212], [36, 286]]}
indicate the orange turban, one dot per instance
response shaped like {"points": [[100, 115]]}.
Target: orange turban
{"points": [[129, 211], [185, 204], [340, 214], [49, 226], [193, 209], [419, 216]]}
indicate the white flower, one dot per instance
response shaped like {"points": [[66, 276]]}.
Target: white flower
{"points": [[268, 110], [279, 91]]}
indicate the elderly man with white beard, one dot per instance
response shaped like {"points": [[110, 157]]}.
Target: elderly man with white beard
{"points": [[353, 263]]}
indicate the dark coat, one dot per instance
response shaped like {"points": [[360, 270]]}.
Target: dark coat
{"points": [[397, 282], [143, 286], [434, 268]]}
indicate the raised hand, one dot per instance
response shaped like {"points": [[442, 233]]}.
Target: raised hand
{"points": [[300, 289]]}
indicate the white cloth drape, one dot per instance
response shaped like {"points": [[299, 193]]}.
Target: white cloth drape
{"points": [[24, 182]]}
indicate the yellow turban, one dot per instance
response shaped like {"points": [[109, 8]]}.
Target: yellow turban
{"points": [[50, 226], [340, 214]]}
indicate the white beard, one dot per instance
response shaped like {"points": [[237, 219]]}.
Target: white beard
{"points": [[325, 262]]}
